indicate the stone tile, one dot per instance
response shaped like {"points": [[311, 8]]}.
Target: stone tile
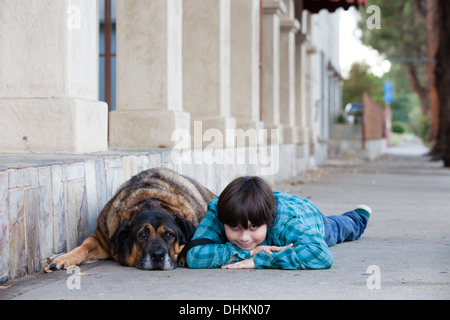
{"points": [[32, 229], [15, 179], [129, 167], [73, 172], [85, 225], [59, 229], [91, 195], [168, 165], [183, 163], [30, 177], [45, 213], [75, 208], [143, 163], [210, 178], [113, 163], [17, 233], [17, 252], [200, 174], [114, 179], [155, 160], [100, 176], [166, 157], [4, 232]]}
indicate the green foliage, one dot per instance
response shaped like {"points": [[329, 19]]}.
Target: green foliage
{"points": [[423, 129], [401, 107], [340, 118], [401, 33], [398, 127], [359, 81]]}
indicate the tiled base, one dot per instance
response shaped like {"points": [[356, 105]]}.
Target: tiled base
{"points": [[49, 203]]}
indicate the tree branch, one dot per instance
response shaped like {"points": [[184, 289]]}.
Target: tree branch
{"points": [[420, 8], [418, 88]]}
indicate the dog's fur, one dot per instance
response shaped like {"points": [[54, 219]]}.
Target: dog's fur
{"points": [[146, 224]]}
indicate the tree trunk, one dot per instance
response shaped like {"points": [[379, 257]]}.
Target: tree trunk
{"points": [[441, 148], [432, 21]]}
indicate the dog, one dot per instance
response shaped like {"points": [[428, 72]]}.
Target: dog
{"points": [[146, 224]]}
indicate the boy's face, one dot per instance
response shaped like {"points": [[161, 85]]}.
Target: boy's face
{"points": [[246, 239]]}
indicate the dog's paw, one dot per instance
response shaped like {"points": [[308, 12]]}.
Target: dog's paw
{"points": [[61, 262], [181, 262]]}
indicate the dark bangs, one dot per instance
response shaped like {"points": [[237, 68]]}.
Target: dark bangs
{"points": [[247, 199]]}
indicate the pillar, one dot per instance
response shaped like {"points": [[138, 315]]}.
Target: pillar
{"points": [[149, 74], [289, 27], [245, 60], [301, 91], [272, 10], [309, 108], [206, 66], [49, 77]]}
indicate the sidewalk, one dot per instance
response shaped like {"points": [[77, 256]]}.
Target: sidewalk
{"points": [[404, 254]]}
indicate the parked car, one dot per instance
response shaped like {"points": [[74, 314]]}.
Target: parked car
{"points": [[353, 112]]}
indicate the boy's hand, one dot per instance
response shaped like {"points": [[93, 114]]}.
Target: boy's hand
{"points": [[249, 263], [244, 264], [269, 249]]}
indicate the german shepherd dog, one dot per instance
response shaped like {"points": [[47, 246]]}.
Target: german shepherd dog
{"points": [[146, 224]]}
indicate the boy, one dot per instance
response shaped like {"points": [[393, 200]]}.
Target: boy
{"points": [[249, 226]]}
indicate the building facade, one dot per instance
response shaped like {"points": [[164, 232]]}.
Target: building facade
{"points": [[212, 89], [229, 64]]}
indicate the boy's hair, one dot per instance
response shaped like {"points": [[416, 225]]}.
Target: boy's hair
{"points": [[247, 199]]}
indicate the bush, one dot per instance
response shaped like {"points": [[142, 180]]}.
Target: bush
{"points": [[424, 129], [398, 127], [340, 118]]}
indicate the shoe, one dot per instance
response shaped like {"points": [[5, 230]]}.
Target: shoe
{"points": [[364, 210]]}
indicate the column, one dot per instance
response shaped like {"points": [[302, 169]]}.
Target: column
{"points": [[206, 67], [149, 74], [245, 59], [302, 83], [300, 99], [289, 27], [272, 10], [49, 77], [310, 107]]}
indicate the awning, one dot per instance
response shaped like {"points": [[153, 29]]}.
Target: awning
{"points": [[314, 6]]}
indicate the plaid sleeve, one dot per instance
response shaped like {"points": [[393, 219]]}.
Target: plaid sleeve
{"points": [[213, 255], [299, 223], [309, 252]]}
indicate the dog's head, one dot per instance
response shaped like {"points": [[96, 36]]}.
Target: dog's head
{"points": [[152, 239]]}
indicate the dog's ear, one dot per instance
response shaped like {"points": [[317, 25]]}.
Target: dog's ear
{"points": [[187, 228], [174, 211], [120, 238]]}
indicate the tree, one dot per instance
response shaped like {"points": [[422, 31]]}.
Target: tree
{"points": [[402, 35], [441, 148], [406, 105], [417, 29], [359, 81]]}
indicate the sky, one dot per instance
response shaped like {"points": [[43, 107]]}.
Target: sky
{"points": [[352, 50]]}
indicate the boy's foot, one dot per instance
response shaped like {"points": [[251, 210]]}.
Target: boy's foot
{"points": [[364, 210]]}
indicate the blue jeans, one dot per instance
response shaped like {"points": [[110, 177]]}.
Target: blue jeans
{"points": [[346, 227]]}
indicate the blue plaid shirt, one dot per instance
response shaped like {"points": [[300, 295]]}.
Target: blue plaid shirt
{"points": [[298, 221]]}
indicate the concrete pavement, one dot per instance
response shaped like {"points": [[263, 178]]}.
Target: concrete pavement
{"points": [[404, 253]]}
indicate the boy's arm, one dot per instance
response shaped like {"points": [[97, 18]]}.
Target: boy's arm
{"points": [[309, 252], [213, 255]]}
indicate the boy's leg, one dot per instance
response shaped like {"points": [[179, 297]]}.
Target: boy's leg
{"points": [[346, 227]]}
